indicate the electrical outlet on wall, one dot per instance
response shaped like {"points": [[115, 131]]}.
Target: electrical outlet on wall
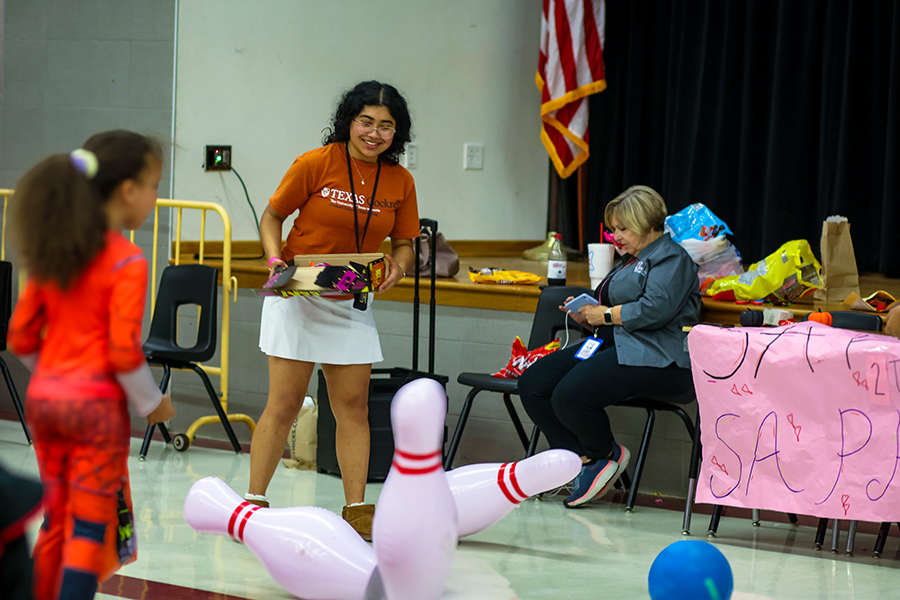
{"points": [[473, 157], [218, 158], [412, 156]]}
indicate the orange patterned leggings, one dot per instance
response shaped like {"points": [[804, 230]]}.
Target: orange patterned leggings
{"points": [[82, 451]]}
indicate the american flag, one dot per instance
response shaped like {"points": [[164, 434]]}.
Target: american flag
{"points": [[570, 68]]}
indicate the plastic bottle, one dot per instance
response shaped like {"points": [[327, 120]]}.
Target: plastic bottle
{"points": [[556, 263]]}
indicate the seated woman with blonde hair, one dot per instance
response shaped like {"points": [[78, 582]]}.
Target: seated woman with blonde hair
{"points": [[643, 304]]}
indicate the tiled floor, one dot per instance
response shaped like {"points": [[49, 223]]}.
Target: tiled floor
{"points": [[540, 551]]}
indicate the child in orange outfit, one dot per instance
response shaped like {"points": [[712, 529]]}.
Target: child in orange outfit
{"points": [[77, 326]]}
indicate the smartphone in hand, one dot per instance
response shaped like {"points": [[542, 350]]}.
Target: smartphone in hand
{"points": [[583, 300]]}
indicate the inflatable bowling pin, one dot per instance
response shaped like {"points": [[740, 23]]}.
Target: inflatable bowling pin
{"points": [[311, 552], [485, 493], [414, 531]]}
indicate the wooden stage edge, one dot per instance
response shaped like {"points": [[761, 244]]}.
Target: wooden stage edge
{"points": [[251, 272]]}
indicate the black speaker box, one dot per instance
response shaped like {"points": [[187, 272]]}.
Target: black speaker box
{"points": [[382, 387]]}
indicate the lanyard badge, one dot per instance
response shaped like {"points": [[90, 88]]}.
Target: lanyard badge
{"points": [[588, 348]]}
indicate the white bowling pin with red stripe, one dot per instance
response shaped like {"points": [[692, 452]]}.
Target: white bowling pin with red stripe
{"points": [[414, 531], [311, 552], [485, 493]]}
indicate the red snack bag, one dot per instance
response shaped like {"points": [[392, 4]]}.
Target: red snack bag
{"points": [[522, 358]]}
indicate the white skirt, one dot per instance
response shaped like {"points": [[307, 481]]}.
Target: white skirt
{"points": [[313, 329]]}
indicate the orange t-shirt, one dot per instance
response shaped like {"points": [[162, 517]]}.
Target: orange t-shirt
{"points": [[88, 332], [317, 185]]}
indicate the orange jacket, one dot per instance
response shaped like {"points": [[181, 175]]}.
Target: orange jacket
{"points": [[88, 332]]}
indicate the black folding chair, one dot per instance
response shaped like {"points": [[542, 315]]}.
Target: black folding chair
{"points": [[672, 403], [548, 320], [5, 314], [185, 285]]}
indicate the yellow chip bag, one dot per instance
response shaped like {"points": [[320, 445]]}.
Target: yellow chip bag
{"points": [[489, 275], [789, 273]]}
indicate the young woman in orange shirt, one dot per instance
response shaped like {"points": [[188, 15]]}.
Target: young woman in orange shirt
{"points": [[349, 196]]}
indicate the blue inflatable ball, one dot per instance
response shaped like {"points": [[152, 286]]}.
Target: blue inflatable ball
{"points": [[690, 570]]}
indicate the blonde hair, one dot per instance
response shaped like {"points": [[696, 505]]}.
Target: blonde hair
{"points": [[640, 208]]}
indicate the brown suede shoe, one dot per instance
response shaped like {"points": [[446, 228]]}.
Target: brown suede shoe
{"points": [[360, 517]]}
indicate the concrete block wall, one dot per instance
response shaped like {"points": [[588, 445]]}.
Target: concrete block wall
{"points": [[72, 69]]}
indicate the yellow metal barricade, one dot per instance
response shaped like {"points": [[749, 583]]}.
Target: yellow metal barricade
{"points": [[229, 289], [7, 194]]}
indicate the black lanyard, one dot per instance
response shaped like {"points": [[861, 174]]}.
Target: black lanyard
{"points": [[353, 199], [622, 264]]}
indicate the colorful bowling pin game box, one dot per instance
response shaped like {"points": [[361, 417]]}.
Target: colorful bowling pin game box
{"points": [[327, 275]]}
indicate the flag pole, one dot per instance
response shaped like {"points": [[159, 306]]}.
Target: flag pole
{"points": [[582, 201], [554, 198]]}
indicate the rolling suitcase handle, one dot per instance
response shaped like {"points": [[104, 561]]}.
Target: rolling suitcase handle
{"points": [[430, 226]]}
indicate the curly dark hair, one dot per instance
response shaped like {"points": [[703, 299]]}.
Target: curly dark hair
{"points": [[58, 212], [371, 93]]}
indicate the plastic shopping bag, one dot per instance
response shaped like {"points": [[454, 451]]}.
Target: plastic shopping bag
{"points": [[790, 273], [696, 222], [702, 234]]}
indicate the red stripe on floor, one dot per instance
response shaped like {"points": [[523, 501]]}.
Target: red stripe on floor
{"points": [[142, 589]]}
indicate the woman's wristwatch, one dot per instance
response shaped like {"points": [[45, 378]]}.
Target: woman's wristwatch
{"points": [[607, 316]]}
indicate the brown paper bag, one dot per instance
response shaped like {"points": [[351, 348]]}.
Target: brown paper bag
{"points": [[303, 439], [838, 263]]}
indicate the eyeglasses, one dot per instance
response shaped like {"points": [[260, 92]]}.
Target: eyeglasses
{"points": [[384, 133]]}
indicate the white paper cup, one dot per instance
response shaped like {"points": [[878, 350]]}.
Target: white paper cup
{"points": [[600, 261]]}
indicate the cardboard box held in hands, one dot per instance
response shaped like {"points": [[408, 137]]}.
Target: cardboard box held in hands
{"points": [[328, 275]]}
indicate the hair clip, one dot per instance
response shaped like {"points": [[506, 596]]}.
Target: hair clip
{"points": [[85, 162]]}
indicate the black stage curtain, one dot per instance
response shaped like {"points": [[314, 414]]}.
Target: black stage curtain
{"points": [[775, 114]]}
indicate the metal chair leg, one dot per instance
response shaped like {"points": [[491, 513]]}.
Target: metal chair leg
{"points": [[15, 398], [460, 425], [642, 457], [165, 433], [755, 517], [145, 445], [532, 445], [692, 479], [835, 536], [820, 534], [881, 539], [218, 406], [148, 434], [851, 538], [693, 430], [714, 520], [517, 423]]}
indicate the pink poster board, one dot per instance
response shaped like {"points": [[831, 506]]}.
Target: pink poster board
{"points": [[802, 418]]}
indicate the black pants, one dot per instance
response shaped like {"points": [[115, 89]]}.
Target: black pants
{"points": [[566, 397]]}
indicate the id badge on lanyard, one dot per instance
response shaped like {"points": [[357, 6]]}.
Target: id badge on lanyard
{"points": [[588, 348]]}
